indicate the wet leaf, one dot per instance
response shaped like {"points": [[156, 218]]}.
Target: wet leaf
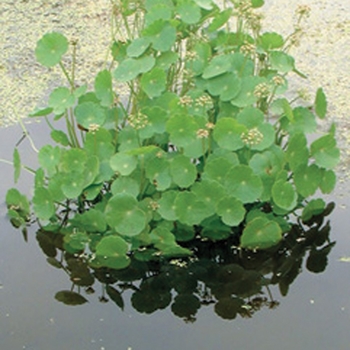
{"points": [[185, 305]]}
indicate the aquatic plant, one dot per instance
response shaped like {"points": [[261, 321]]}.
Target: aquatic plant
{"points": [[189, 132]]}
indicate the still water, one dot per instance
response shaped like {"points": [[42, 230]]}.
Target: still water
{"points": [[314, 315]]}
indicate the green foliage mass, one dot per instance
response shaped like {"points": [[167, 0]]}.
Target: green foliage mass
{"points": [[203, 137]]}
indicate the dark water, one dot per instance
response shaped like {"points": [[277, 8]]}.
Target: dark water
{"points": [[314, 315]]}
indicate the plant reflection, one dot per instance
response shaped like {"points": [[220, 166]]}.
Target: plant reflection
{"points": [[234, 281]]}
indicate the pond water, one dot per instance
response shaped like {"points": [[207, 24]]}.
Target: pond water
{"points": [[314, 315]]}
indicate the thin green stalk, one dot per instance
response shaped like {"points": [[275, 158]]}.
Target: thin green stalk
{"points": [[66, 75]]}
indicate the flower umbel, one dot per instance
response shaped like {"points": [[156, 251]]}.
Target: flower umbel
{"points": [[138, 121], [252, 137]]}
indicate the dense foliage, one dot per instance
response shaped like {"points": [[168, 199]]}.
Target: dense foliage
{"points": [[189, 132]]}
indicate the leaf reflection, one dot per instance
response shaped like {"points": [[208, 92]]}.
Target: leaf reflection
{"points": [[237, 282]]}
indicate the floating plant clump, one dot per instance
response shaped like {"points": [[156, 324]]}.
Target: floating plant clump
{"points": [[188, 133]]}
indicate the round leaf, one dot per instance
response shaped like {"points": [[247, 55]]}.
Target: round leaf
{"points": [[123, 214], [123, 163], [103, 88], [183, 171], [231, 210], [284, 195], [153, 83], [90, 114], [50, 49], [260, 233]]}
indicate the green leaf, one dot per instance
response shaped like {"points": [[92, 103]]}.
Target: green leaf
{"points": [[320, 103], [297, 152], [183, 171], [227, 133], [325, 151], [123, 163], [217, 168], [328, 181], [70, 298], [220, 20], [73, 184], [44, 207], [90, 114], [243, 184], [111, 252], [41, 112], [226, 85], [130, 68], [60, 137], [103, 88], [189, 12], [231, 210], [205, 4], [281, 61], [284, 195], [246, 95], [16, 164], [73, 160], [182, 129], [164, 39], [189, 209], [18, 202], [228, 307], [307, 179], [261, 233], [138, 46], [60, 99], [125, 185], [269, 41], [217, 66], [313, 208], [167, 205], [208, 191], [153, 83], [123, 214], [50, 49], [92, 220], [49, 158]]}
